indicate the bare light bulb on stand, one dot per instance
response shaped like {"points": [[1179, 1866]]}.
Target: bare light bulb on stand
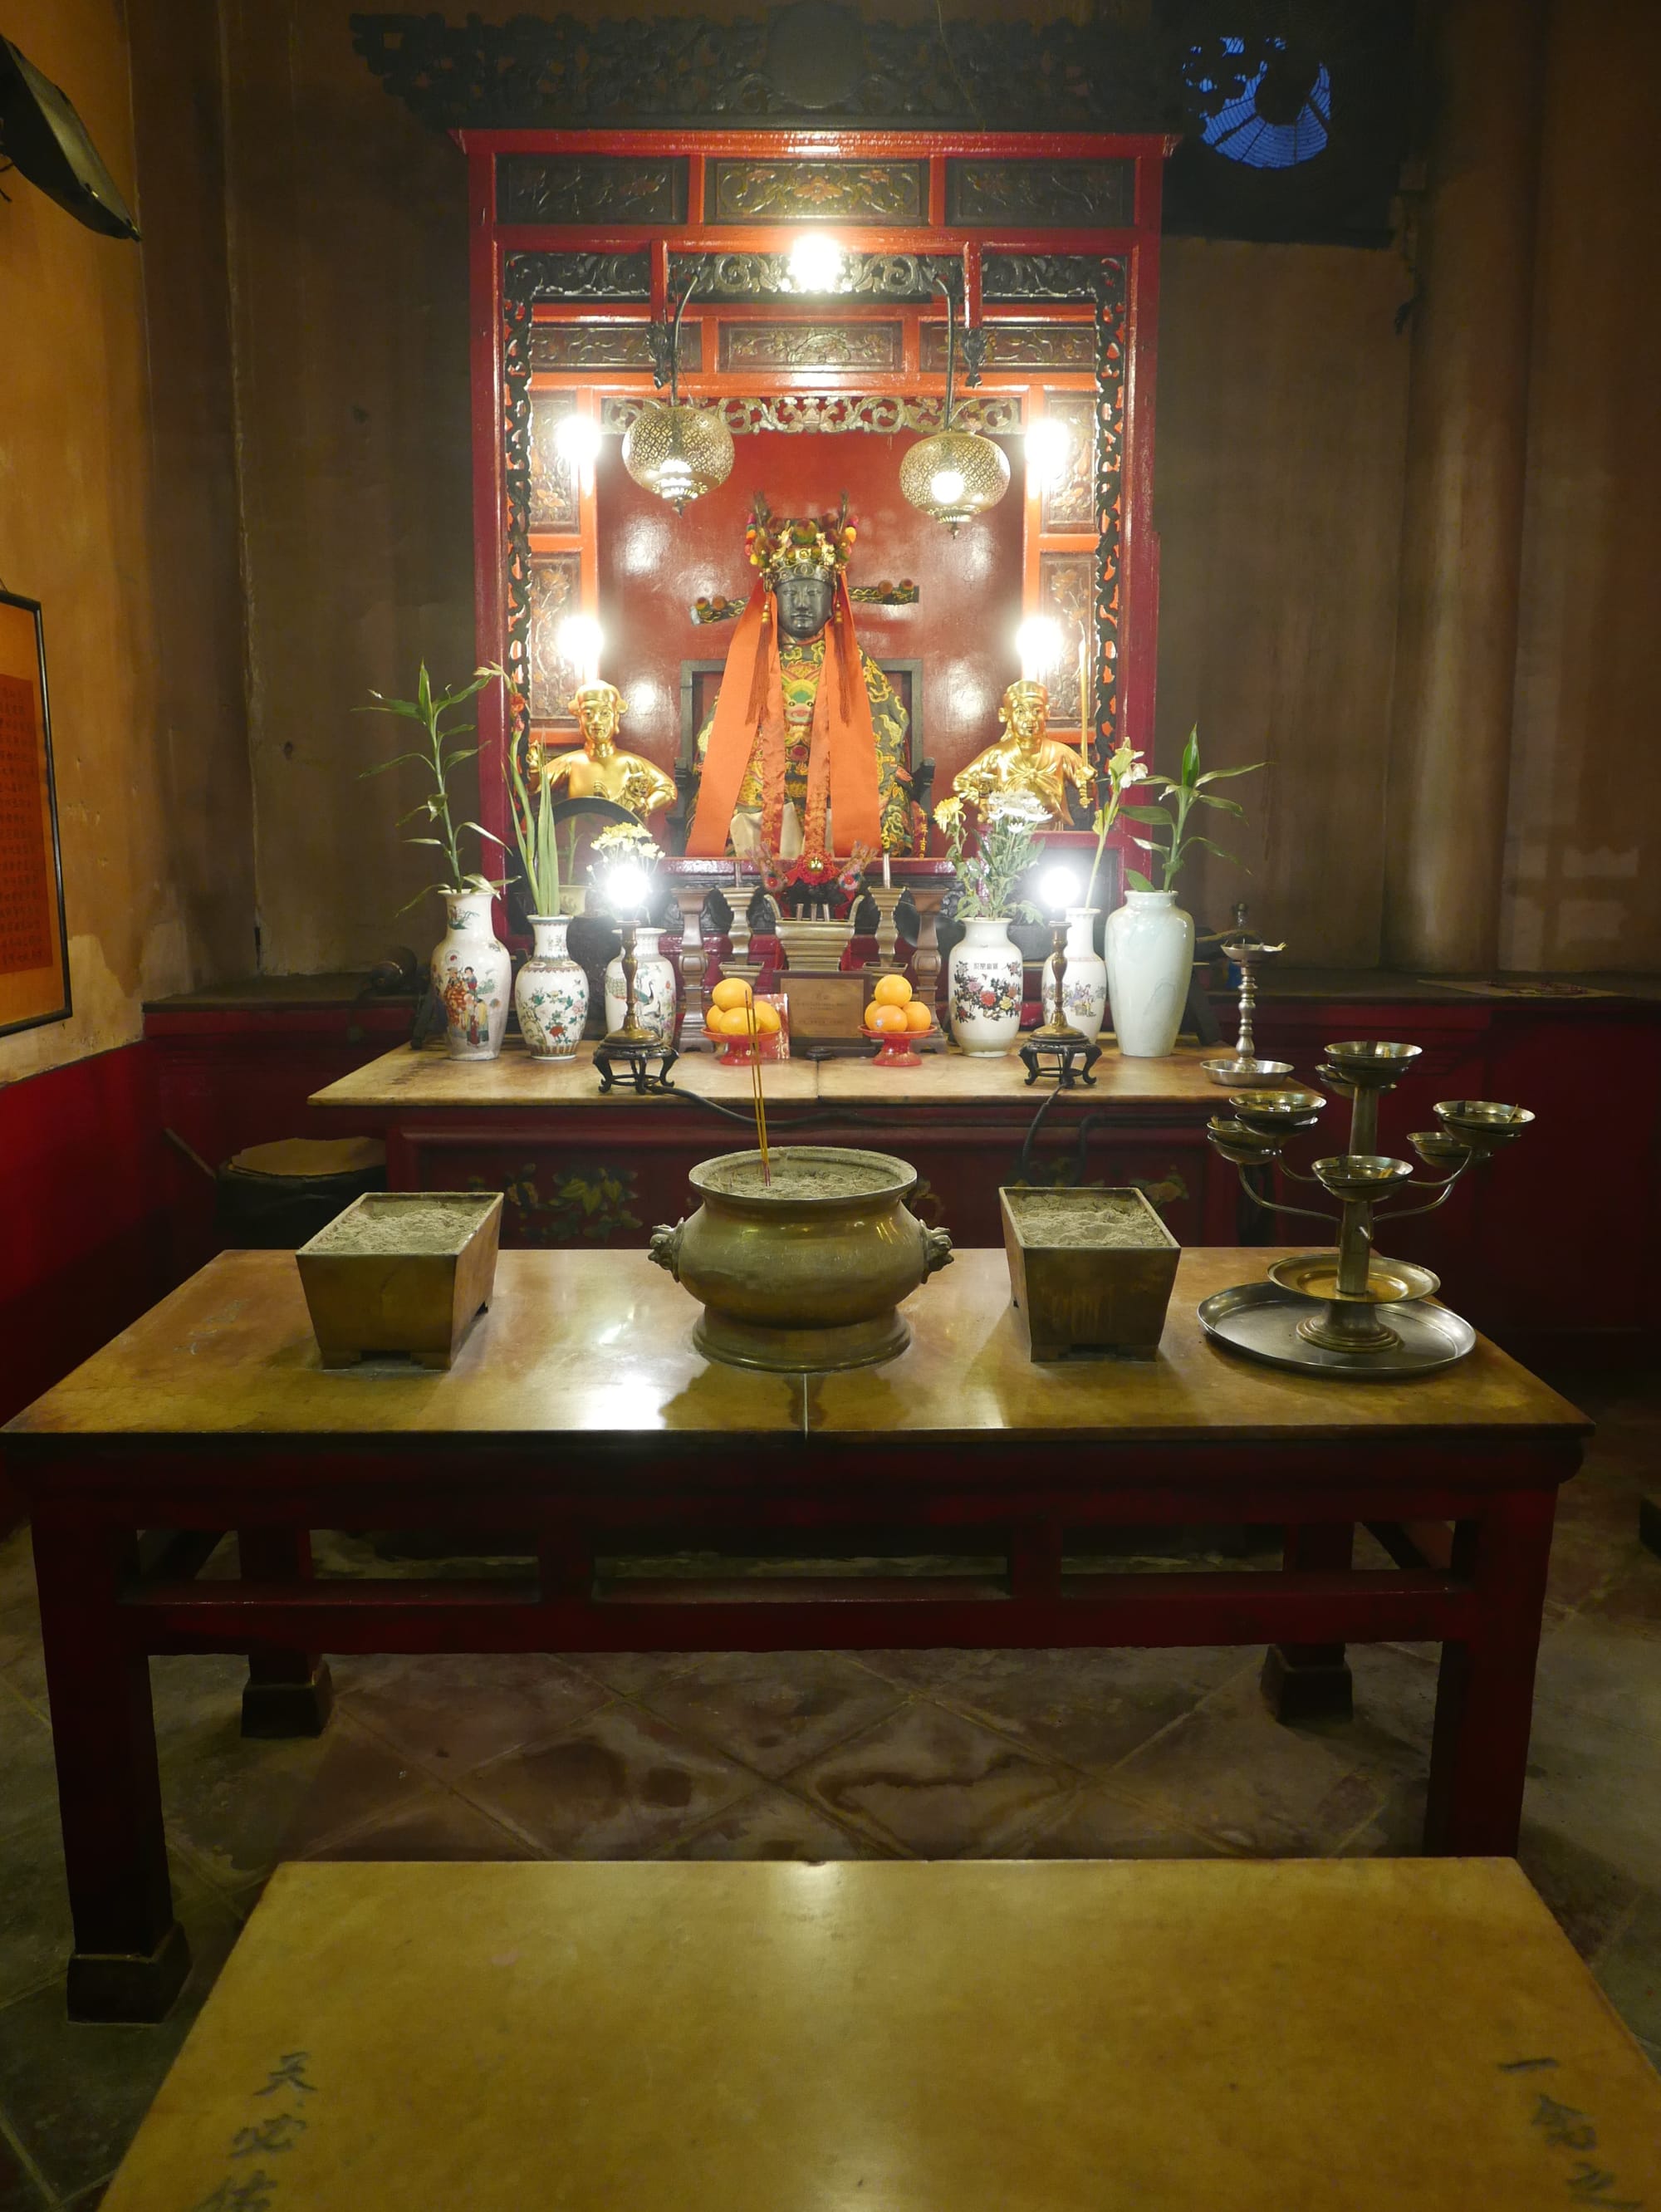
{"points": [[576, 443], [626, 889], [1059, 889], [816, 262], [1049, 448], [1038, 641], [578, 641]]}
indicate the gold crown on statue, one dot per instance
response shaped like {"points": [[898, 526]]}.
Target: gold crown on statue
{"points": [[798, 545]]}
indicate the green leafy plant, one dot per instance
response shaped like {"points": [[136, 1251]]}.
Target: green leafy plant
{"points": [[986, 882], [1125, 766], [441, 757], [534, 832], [1173, 839]]}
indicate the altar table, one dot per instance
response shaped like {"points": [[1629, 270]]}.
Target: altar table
{"points": [[579, 1169], [1039, 2037], [579, 1409]]}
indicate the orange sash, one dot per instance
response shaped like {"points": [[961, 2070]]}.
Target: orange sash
{"points": [[842, 771]]}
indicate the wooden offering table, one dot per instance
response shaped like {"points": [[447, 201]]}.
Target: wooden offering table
{"points": [[1047, 2036], [577, 1169], [579, 1409]]}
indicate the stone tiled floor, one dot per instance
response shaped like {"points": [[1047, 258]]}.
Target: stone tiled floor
{"points": [[825, 1755]]}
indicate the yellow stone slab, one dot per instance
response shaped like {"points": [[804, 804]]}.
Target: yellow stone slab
{"points": [[1181, 2036], [515, 1079], [580, 1344], [957, 1078]]}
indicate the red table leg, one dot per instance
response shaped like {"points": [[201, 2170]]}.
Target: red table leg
{"points": [[130, 1957], [1485, 1691], [287, 1693], [1311, 1681]]}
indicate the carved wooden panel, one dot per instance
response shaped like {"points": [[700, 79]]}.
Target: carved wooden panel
{"points": [[810, 346], [1069, 498], [1020, 345], [597, 188], [1048, 195], [552, 480], [816, 191], [555, 594], [767, 275], [1066, 590], [528, 277], [1001, 415], [579, 347]]}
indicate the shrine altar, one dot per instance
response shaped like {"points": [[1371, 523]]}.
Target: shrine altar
{"points": [[577, 1410], [581, 1169]]}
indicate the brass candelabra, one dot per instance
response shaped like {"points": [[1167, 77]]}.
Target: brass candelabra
{"points": [[1349, 1310]]}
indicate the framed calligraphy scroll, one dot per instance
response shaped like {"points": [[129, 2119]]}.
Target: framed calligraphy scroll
{"points": [[35, 968]]}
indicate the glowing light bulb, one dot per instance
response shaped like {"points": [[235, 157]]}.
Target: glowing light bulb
{"points": [[1049, 448], [578, 641], [816, 263], [625, 888], [576, 443], [1059, 889], [946, 486], [1038, 643]]}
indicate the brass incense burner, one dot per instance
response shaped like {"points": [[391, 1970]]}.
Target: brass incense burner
{"points": [[1349, 1311]]}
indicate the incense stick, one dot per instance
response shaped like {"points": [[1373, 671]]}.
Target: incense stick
{"points": [[760, 1103]]}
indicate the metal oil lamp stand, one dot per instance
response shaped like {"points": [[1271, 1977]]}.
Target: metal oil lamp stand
{"points": [[1242, 1067], [633, 1044], [1349, 1311], [1058, 1049]]}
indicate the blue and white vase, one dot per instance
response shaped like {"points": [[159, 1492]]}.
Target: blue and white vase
{"points": [[1084, 982], [550, 992], [1150, 959], [472, 973], [983, 987], [654, 988]]}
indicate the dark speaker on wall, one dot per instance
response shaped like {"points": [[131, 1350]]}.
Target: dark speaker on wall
{"points": [[46, 141]]}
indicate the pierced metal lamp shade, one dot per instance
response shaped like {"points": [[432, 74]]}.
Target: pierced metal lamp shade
{"points": [[679, 451], [955, 474]]}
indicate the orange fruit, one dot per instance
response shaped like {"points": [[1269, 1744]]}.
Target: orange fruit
{"points": [[881, 1016], [767, 1019], [918, 1018], [731, 991], [892, 991]]}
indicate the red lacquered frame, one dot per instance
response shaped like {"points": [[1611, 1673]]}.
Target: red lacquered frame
{"points": [[1136, 243]]}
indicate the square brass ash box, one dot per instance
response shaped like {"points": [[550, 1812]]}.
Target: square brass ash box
{"points": [[401, 1273], [1091, 1270]]}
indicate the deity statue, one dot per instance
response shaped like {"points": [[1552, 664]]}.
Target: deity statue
{"points": [[601, 769], [808, 738], [1026, 770]]}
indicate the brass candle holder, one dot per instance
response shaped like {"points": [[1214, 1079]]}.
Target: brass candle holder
{"points": [[1056, 1049], [1349, 1311], [1241, 1069], [631, 1043]]}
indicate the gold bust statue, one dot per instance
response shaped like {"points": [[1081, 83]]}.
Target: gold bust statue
{"points": [[601, 769], [1027, 766]]}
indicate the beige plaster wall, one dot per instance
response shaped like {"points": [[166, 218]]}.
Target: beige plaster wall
{"points": [[149, 866], [1583, 861]]}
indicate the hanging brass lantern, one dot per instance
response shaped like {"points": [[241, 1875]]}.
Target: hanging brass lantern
{"points": [[955, 474], [675, 450]]}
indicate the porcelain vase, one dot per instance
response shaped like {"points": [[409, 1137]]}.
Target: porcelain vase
{"points": [[1150, 958], [654, 988], [550, 992], [472, 974], [984, 988], [1084, 982]]}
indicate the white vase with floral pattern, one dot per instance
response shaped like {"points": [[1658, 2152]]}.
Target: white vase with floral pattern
{"points": [[983, 980], [472, 974], [654, 988], [1084, 980], [1150, 961], [550, 992]]}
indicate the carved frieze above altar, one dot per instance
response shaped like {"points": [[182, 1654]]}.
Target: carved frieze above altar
{"points": [[863, 276], [1040, 195], [823, 411], [810, 346], [602, 189], [816, 191], [1020, 345], [532, 276], [577, 348]]}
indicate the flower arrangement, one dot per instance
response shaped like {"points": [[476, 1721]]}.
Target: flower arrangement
{"points": [[441, 756], [1171, 840], [627, 841], [986, 882]]}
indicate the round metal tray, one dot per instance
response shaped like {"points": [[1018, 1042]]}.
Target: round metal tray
{"points": [[1315, 1275], [1261, 1320]]}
